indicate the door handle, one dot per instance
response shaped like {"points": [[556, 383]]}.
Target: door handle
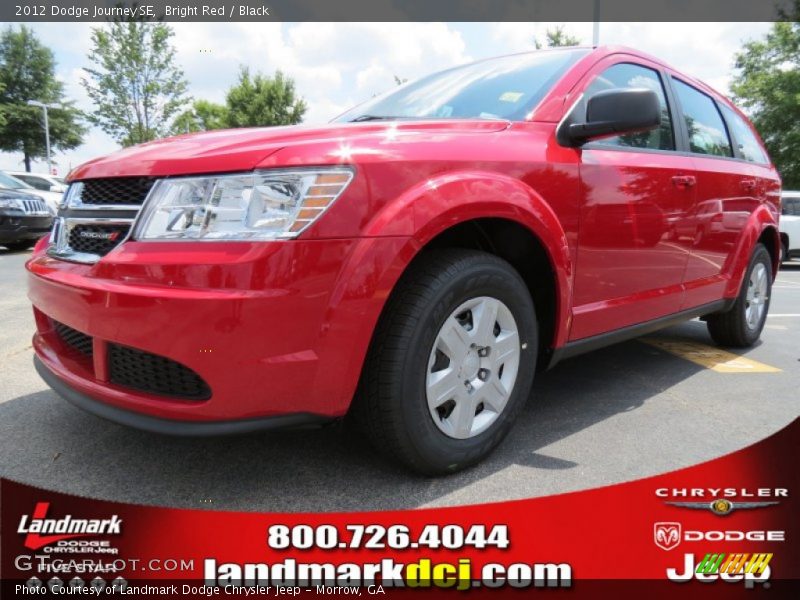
{"points": [[684, 181], [748, 184]]}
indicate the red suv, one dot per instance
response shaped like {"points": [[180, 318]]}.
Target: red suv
{"points": [[412, 263]]}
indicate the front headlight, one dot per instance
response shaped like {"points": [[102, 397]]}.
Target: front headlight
{"points": [[264, 205], [11, 203]]}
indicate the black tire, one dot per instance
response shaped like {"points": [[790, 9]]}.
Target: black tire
{"points": [[18, 246], [731, 327], [784, 253], [391, 406]]}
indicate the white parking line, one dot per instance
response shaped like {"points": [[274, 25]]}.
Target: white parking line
{"points": [[784, 315]]}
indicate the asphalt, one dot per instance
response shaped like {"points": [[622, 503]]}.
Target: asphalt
{"points": [[614, 415]]}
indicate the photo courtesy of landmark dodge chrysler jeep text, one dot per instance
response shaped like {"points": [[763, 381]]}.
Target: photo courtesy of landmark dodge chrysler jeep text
{"points": [[412, 264]]}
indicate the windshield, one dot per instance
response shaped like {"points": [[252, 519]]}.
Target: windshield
{"points": [[508, 87], [12, 183]]}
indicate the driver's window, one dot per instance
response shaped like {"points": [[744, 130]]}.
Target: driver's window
{"points": [[626, 75]]}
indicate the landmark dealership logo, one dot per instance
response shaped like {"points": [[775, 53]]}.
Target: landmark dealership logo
{"points": [[39, 530]]}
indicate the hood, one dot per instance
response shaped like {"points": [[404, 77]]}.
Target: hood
{"points": [[8, 194], [229, 150]]}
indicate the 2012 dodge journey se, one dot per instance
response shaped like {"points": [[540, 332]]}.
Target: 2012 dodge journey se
{"points": [[413, 263]]}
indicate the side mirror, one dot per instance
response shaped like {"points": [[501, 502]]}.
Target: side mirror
{"points": [[57, 188], [614, 112]]}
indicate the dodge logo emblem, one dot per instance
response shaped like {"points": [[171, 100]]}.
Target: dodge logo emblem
{"points": [[98, 235], [667, 535]]}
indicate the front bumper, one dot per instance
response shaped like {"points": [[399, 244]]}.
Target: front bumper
{"points": [[23, 228], [275, 329], [170, 426]]}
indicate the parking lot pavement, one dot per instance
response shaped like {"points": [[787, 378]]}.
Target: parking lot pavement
{"points": [[618, 414]]}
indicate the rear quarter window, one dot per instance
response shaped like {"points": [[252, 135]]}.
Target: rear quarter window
{"points": [[746, 141]]}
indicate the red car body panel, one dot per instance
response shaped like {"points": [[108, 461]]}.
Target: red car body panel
{"points": [[283, 327]]}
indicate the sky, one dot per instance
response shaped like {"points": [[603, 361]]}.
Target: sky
{"points": [[338, 65]]}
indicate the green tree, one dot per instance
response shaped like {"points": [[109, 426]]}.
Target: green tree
{"points": [[261, 100], [27, 72], [2, 117], [202, 116], [767, 86], [557, 37], [134, 83]]}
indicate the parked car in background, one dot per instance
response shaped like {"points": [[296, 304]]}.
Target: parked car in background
{"points": [[790, 225], [10, 182], [41, 181], [24, 218], [412, 264]]}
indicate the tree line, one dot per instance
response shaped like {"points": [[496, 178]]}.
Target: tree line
{"points": [[140, 94], [137, 90]]}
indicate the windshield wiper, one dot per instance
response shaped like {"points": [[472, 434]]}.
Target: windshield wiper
{"points": [[376, 118]]}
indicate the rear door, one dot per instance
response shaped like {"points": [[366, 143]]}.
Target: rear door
{"points": [[728, 191], [635, 190]]}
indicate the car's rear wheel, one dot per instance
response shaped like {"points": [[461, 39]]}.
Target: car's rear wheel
{"points": [[451, 363], [741, 325]]}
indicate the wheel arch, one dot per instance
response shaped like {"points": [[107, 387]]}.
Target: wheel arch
{"points": [[492, 212], [522, 249], [761, 227], [497, 214], [771, 238]]}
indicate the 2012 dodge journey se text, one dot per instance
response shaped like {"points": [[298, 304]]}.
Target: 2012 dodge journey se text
{"points": [[414, 262]]}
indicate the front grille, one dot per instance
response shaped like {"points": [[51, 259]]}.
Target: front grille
{"points": [[98, 217], [154, 374], [74, 338], [117, 190], [35, 206], [97, 239]]}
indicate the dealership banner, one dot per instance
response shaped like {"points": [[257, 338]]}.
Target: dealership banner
{"points": [[394, 11], [724, 528]]}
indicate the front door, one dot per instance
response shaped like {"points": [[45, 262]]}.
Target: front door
{"points": [[636, 190]]}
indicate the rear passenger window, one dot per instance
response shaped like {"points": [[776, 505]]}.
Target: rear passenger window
{"points": [[707, 132], [626, 75], [748, 144]]}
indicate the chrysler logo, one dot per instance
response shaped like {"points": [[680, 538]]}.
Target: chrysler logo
{"points": [[722, 506]]}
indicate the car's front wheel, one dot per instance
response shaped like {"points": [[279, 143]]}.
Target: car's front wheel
{"points": [[451, 363], [742, 324]]}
